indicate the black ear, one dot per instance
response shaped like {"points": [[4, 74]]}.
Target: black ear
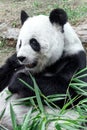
{"points": [[58, 16], [24, 16]]}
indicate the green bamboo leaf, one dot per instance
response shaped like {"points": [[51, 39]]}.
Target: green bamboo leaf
{"points": [[78, 84], [49, 106], [76, 80], [82, 76], [34, 125], [79, 90], [68, 104], [56, 99], [26, 121], [26, 84], [81, 71], [57, 126], [43, 124], [33, 104], [13, 118], [56, 95], [24, 99], [37, 93], [83, 101], [2, 113]]}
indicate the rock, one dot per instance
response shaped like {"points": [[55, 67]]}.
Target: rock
{"points": [[81, 30], [9, 34]]}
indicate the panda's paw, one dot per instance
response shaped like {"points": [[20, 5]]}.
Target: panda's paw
{"points": [[15, 83], [4, 77], [18, 84], [7, 70]]}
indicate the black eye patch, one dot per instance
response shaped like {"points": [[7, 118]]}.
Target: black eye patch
{"points": [[35, 44]]}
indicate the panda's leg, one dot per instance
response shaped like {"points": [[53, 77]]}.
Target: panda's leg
{"points": [[7, 70]]}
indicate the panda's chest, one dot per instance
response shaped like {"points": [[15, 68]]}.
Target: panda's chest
{"points": [[55, 68]]}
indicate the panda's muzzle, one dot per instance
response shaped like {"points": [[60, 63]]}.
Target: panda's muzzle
{"points": [[31, 65]]}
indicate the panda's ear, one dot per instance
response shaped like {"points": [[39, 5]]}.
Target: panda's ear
{"points": [[58, 16], [24, 16]]}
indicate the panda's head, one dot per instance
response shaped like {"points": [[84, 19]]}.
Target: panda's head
{"points": [[41, 40]]}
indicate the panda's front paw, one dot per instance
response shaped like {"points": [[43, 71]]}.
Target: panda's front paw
{"points": [[14, 84], [17, 86], [4, 76]]}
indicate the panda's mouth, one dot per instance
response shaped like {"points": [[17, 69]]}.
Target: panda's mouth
{"points": [[31, 65]]}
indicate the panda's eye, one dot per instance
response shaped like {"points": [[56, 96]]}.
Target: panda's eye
{"points": [[20, 44], [34, 44]]}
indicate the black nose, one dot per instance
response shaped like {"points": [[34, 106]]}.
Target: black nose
{"points": [[21, 58]]}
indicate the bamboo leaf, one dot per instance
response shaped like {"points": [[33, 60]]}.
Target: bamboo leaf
{"points": [[38, 97], [43, 124], [81, 71], [13, 118], [57, 126], [26, 84], [2, 113], [26, 121]]}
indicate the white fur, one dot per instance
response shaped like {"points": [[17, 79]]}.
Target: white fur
{"points": [[50, 38], [72, 43], [21, 110]]}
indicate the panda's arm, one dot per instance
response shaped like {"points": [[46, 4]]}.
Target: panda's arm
{"points": [[47, 85], [7, 70]]}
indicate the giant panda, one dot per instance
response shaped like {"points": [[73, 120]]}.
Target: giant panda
{"points": [[50, 50]]}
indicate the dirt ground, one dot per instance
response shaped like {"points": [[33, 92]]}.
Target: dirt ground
{"points": [[10, 14], [10, 9]]}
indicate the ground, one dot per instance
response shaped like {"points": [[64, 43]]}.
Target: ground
{"points": [[10, 13], [10, 9]]}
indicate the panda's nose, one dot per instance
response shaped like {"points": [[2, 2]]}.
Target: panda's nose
{"points": [[21, 58]]}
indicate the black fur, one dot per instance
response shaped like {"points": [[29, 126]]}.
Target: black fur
{"points": [[61, 73], [24, 16], [7, 70], [58, 16], [35, 45]]}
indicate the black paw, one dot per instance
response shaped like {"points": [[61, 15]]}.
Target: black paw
{"points": [[17, 86], [7, 70], [5, 76]]}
